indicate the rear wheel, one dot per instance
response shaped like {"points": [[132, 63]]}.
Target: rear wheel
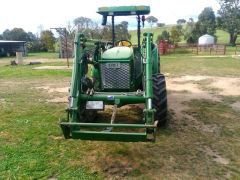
{"points": [[159, 101]]}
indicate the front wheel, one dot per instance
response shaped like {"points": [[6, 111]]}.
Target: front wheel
{"points": [[159, 101], [86, 115]]}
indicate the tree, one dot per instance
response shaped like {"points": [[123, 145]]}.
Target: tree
{"points": [[7, 35], [85, 25], [16, 34], [95, 31], [190, 20], [151, 20], [34, 44], [164, 36], [19, 34], [205, 25], [191, 34], [160, 24], [47, 40], [179, 28], [176, 32], [32, 37], [121, 31], [207, 22], [219, 22], [82, 23], [106, 33], [181, 21], [230, 18], [1, 37]]}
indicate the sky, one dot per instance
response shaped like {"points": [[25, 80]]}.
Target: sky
{"points": [[35, 15]]}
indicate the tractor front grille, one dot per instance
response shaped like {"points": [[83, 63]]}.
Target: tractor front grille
{"points": [[115, 78]]}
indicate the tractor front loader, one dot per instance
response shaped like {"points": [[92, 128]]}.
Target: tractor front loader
{"points": [[122, 74]]}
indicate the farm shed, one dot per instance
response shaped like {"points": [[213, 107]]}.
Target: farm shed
{"points": [[9, 48]]}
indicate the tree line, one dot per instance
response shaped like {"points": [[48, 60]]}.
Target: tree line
{"points": [[228, 19], [46, 40]]}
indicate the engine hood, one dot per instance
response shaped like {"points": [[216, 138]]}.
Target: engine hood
{"points": [[121, 52]]}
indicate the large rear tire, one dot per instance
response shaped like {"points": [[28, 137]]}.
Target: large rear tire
{"points": [[159, 101]]}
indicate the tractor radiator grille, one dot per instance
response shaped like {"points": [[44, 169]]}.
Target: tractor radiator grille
{"points": [[115, 78]]}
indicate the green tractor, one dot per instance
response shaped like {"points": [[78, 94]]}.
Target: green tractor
{"points": [[122, 74]]}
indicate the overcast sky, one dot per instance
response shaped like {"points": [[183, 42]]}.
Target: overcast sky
{"points": [[30, 14]]}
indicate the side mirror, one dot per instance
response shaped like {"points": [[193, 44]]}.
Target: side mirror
{"points": [[104, 20]]}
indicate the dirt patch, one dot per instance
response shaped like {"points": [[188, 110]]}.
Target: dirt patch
{"points": [[27, 60], [228, 86], [2, 133], [54, 89], [45, 60], [187, 88], [236, 56], [2, 101], [222, 56], [188, 85], [118, 167], [189, 78], [58, 91], [182, 89], [177, 103], [215, 155], [236, 106], [202, 127], [52, 68], [190, 88], [56, 137], [59, 100]]}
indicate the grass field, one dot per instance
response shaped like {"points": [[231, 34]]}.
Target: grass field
{"points": [[201, 141]]}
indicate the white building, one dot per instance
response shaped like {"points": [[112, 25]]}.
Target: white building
{"points": [[206, 40]]}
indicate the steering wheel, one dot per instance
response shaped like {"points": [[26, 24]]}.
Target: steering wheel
{"points": [[124, 43]]}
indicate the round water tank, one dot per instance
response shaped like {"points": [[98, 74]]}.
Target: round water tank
{"points": [[206, 40]]}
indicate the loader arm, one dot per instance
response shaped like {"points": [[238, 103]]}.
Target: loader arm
{"points": [[76, 77]]}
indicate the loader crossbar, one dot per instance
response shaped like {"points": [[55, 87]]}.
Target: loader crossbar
{"points": [[107, 135], [111, 97], [108, 125]]}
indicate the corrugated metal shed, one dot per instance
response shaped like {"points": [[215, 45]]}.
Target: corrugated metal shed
{"points": [[9, 48]]}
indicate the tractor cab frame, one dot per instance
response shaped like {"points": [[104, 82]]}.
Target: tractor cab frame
{"points": [[125, 11]]}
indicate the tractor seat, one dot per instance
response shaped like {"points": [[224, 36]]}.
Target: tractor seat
{"points": [[119, 52], [124, 43]]}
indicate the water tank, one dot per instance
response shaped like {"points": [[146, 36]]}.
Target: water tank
{"points": [[206, 40]]}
